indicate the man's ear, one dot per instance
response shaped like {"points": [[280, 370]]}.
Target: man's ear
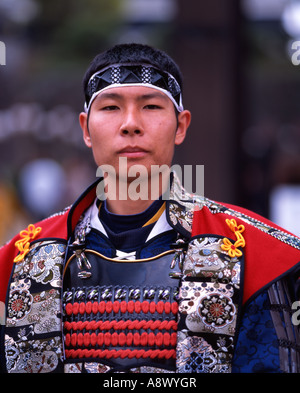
{"points": [[83, 121], [184, 120]]}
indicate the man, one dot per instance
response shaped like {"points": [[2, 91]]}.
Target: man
{"points": [[141, 276]]}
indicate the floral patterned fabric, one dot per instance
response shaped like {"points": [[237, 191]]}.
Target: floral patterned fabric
{"points": [[209, 307], [33, 341]]}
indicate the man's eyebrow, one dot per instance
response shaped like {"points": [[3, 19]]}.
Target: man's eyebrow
{"points": [[153, 95], [109, 94], [147, 96]]}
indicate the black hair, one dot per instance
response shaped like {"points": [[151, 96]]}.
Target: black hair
{"points": [[133, 53]]}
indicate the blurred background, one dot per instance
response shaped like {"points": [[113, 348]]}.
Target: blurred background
{"points": [[241, 82]]}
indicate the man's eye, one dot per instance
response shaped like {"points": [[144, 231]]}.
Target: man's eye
{"points": [[109, 108], [152, 106]]}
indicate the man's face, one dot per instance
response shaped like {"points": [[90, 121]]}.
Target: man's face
{"points": [[135, 122]]}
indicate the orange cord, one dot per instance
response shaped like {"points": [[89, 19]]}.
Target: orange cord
{"points": [[232, 249], [27, 235]]}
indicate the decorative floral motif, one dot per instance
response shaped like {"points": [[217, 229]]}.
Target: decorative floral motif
{"points": [[27, 235], [200, 362], [19, 304], [205, 308], [216, 310], [232, 249]]}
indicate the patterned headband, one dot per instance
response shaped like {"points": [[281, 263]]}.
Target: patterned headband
{"points": [[133, 75]]}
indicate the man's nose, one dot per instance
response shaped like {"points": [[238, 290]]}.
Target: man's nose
{"points": [[131, 124]]}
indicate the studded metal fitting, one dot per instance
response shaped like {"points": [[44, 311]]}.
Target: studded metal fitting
{"points": [[176, 294], [134, 293], [180, 247], [120, 293], [176, 275], [149, 293], [92, 294], [79, 295], [82, 261], [106, 294], [67, 296], [164, 294], [84, 274]]}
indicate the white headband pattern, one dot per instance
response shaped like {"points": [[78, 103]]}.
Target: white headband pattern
{"points": [[133, 75]]}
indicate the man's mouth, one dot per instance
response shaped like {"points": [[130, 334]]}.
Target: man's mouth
{"points": [[132, 152]]}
